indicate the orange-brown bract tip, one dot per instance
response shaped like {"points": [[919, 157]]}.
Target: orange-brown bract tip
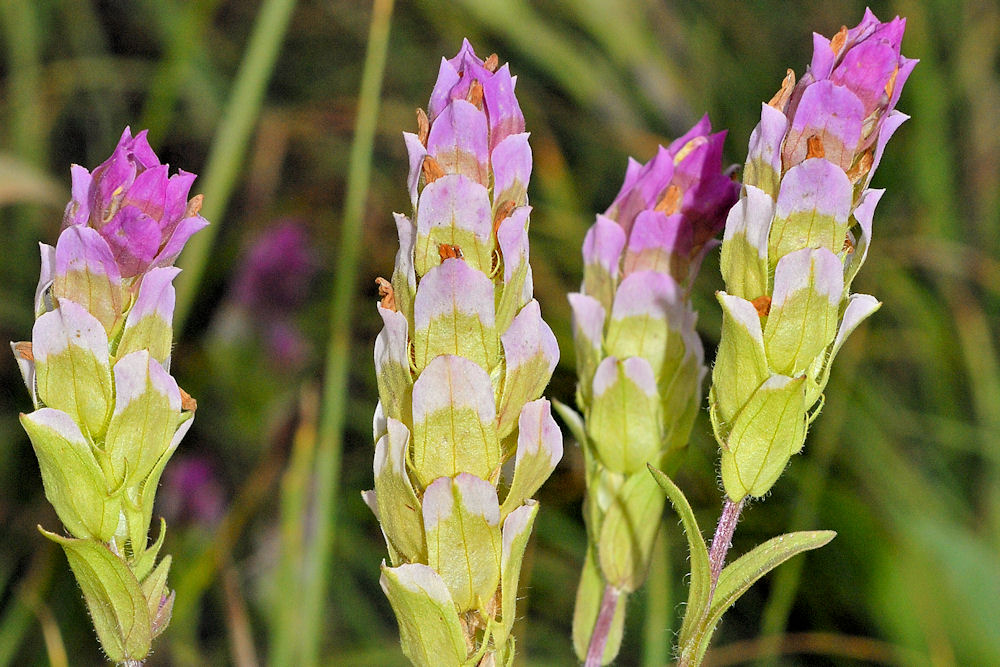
{"points": [[670, 201], [449, 251], [502, 213], [194, 206], [814, 147], [780, 98], [475, 95], [431, 170], [188, 404], [838, 41], [763, 305], [24, 349], [387, 294], [423, 126]]}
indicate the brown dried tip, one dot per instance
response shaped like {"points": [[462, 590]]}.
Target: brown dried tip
{"points": [[838, 41], [492, 63], [423, 126], [23, 350], [194, 206], [670, 202], [449, 251], [386, 292], [431, 169], [475, 94], [861, 168], [763, 305], [187, 403], [814, 147], [848, 245], [780, 98], [503, 212]]}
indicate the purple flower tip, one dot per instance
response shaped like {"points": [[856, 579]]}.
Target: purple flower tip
{"points": [[683, 189], [141, 211], [837, 110]]}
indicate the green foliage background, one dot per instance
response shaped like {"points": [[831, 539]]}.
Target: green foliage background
{"points": [[904, 463]]}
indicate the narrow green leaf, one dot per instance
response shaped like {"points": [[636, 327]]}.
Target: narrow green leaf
{"points": [[742, 573], [700, 594], [573, 421]]}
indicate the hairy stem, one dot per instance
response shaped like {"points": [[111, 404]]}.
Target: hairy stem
{"points": [[723, 538], [599, 638]]}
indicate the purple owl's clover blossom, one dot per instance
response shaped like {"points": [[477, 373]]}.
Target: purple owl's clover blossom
{"points": [[640, 364], [461, 364], [141, 212], [108, 414], [792, 247]]}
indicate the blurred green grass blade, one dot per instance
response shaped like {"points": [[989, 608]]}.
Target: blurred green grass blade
{"points": [[338, 355], [187, 37], [229, 148], [20, 25], [657, 635], [286, 616], [18, 615]]}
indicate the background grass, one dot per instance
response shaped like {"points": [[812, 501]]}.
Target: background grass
{"points": [[904, 463]]}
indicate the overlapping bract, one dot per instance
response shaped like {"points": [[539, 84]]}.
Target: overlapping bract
{"points": [[639, 359], [793, 244], [108, 414], [461, 361]]}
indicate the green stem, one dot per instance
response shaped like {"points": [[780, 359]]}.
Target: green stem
{"points": [[338, 356], [226, 156], [659, 602]]}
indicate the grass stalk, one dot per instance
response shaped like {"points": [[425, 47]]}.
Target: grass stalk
{"points": [[338, 355], [226, 156]]}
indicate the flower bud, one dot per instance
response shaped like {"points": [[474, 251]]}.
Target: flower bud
{"points": [[793, 244], [461, 362]]}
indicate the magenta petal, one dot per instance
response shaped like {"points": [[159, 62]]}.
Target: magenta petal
{"points": [[659, 242], [417, 153], [816, 184], [111, 180], [502, 107], [156, 296], [528, 336], [141, 151], [45, 277], [459, 141], [453, 286], [134, 238], [512, 237], [83, 249], [172, 248], [70, 324], [767, 137], [701, 128], [835, 115], [176, 202], [603, 245], [823, 58], [649, 293], [866, 70], [78, 209], [455, 200], [588, 319], [511, 168], [148, 192], [441, 94]]}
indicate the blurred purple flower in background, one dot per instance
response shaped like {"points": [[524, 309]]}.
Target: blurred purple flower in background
{"points": [[191, 492], [271, 286]]}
